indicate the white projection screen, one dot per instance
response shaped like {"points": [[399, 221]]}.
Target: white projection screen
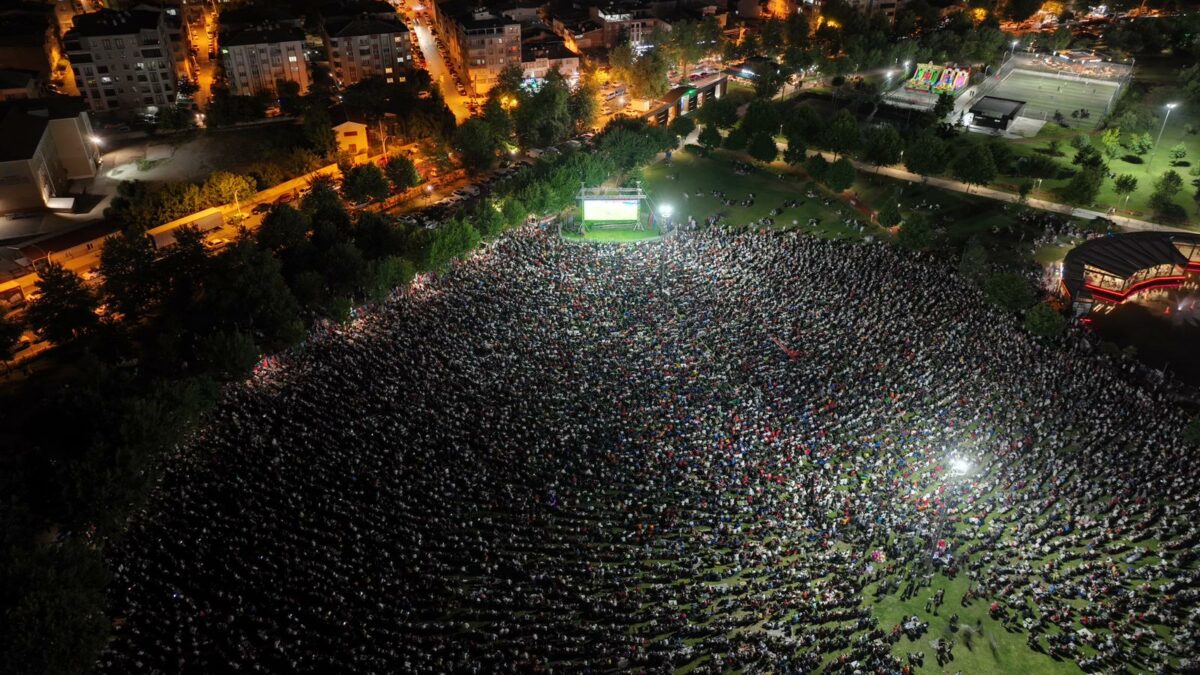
{"points": [[610, 210]]}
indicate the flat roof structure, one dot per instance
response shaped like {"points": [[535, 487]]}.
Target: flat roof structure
{"points": [[994, 106], [1113, 267]]}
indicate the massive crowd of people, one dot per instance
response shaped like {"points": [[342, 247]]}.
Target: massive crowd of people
{"points": [[720, 450]]}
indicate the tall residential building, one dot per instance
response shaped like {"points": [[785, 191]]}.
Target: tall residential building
{"points": [[124, 62], [486, 44], [364, 46], [255, 58]]}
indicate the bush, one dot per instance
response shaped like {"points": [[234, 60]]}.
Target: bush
{"points": [[816, 166], [736, 140], [1008, 290], [229, 354], [681, 126], [1042, 320], [1191, 433]]}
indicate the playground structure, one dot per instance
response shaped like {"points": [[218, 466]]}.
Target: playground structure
{"points": [[937, 79]]}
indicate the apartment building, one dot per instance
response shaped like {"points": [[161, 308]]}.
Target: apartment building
{"points": [[886, 7], [366, 46], [626, 20], [48, 143], [539, 59], [487, 44], [256, 57], [125, 62]]}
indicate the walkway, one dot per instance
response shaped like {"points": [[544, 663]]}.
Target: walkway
{"points": [[899, 173]]}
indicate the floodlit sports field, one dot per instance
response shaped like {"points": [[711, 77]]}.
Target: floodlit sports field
{"points": [[1045, 93]]}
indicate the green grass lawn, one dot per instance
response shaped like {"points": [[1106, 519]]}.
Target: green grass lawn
{"points": [[617, 235], [1146, 171], [993, 649], [962, 217], [696, 177]]}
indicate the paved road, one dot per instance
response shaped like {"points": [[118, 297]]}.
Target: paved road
{"points": [[441, 75], [899, 173]]}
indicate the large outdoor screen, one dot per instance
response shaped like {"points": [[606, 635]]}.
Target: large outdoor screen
{"points": [[610, 210]]}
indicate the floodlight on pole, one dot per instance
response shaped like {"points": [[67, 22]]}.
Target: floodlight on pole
{"points": [[665, 210], [960, 465], [1169, 107]]}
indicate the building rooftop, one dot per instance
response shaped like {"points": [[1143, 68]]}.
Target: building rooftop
{"points": [[23, 122], [362, 25], [350, 8], [261, 34], [993, 106], [546, 50], [256, 15], [113, 22], [16, 79], [475, 21], [24, 26], [1124, 254], [340, 114]]}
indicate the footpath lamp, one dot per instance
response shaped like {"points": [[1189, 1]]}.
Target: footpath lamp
{"points": [[1169, 107]]}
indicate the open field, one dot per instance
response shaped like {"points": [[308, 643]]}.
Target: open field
{"points": [[618, 235], [688, 182]]}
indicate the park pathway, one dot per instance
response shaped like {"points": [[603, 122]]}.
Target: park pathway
{"points": [[899, 173]]}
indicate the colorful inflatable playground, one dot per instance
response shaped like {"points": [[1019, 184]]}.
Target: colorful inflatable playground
{"points": [[932, 78]]}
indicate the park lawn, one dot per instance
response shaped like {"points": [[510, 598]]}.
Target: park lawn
{"points": [[1182, 118], [691, 174], [621, 235], [962, 216], [1055, 252], [994, 651]]}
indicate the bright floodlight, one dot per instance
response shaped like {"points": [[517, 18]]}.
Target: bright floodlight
{"points": [[959, 465], [1014, 42], [95, 139], [1171, 106], [664, 210]]}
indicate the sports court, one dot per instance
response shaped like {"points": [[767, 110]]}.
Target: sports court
{"points": [[1047, 93]]}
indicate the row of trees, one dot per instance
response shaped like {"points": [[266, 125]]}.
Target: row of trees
{"points": [[180, 322], [141, 206], [531, 116]]}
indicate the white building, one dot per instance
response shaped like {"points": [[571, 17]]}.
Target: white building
{"points": [[47, 144]]}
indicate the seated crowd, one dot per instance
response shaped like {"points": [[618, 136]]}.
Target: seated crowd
{"points": [[722, 449]]}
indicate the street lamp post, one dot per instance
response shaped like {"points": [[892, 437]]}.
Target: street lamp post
{"points": [[1013, 51], [1170, 107]]}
